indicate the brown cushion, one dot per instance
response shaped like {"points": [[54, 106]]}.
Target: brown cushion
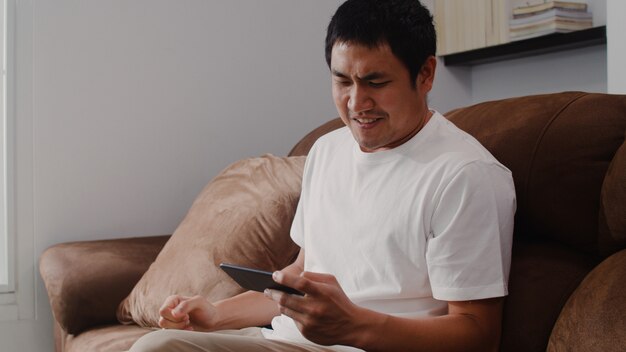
{"points": [[243, 216], [593, 318], [613, 207]]}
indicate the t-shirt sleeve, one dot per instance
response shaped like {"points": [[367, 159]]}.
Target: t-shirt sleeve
{"points": [[297, 226], [469, 248]]}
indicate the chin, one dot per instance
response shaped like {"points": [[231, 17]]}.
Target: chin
{"points": [[369, 147]]}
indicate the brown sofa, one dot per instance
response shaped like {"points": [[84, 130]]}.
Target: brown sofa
{"points": [[568, 273]]}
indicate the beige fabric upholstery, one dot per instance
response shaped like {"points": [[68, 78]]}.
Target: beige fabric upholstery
{"points": [[243, 216]]}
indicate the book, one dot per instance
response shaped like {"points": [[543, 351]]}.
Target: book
{"points": [[548, 27], [534, 34], [569, 12], [552, 13], [561, 23], [549, 17], [564, 5]]}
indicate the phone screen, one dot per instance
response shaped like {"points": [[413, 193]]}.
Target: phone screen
{"points": [[256, 280]]}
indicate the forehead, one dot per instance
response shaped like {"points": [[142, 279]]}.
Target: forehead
{"points": [[357, 59]]}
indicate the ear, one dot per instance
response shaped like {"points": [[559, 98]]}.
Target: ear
{"points": [[426, 75]]}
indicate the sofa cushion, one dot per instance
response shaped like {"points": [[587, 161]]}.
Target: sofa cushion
{"points": [[613, 214], [593, 318], [108, 338], [243, 216]]}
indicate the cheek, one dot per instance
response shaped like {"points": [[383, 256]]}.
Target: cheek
{"points": [[395, 103], [340, 101], [389, 99], [336, 91]]}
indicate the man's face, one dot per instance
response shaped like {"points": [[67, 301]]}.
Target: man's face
{"points": [[375, 95]]}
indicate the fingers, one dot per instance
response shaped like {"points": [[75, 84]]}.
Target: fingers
{"points": [[180, 325], [294, 302], [174, 313], [167, 319], [185, 306], [323, 311], [168, 306], [314, 285], [295, 281]]}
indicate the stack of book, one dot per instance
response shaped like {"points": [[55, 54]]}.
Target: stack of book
{"points": [[549, 17]]}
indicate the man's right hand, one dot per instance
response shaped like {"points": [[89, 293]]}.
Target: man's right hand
{"points": [[243, 310], [188, 313]]}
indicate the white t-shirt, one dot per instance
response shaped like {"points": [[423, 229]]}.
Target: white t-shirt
{"points": [[407, 229]]}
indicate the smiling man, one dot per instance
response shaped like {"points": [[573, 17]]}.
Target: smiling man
{"points": [[404, 221], [376, 97]]}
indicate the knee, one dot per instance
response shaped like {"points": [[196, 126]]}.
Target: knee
{"points": [[156, 341]]}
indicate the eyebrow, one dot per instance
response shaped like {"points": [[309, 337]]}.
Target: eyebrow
{"points": [[368, 77]]}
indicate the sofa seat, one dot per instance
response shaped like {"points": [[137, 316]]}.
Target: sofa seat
{"points": [[110, 338]]}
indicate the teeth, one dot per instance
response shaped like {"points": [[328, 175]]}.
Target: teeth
{"points": [[366, 120]]}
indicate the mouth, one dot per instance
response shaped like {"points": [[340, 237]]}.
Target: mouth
{"points": [[366, 121]]}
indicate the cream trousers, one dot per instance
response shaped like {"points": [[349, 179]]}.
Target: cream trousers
{"points": [[249, 339]]}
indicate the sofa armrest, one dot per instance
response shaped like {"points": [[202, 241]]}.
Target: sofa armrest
{"points": [[86, 281]]}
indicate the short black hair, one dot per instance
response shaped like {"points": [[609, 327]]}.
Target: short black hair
{"points": [[405, 25]]}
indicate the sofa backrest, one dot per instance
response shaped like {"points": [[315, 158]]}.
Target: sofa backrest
{"points": [[568, 158], [559, 148]]}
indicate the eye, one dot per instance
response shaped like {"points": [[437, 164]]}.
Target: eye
{"points": [[343, 83], [378, 84]]}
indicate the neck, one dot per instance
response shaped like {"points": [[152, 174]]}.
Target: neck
{"points": [[423, 121]]}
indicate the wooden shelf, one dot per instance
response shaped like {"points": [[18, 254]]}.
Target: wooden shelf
{"points": [[528, 47]]}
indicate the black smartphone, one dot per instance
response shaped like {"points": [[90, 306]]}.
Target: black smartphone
{"points": [[256, 280]]}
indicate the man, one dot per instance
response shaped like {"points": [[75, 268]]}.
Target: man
{"points": [[404, 221]]}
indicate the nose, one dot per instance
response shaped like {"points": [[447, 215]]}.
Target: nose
{"points": [[359, 99]]}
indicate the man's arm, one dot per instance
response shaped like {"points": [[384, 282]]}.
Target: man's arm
{"points": [[326, 316], [468, 326], [241, 311]]}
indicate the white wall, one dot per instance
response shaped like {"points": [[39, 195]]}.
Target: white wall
{"points": [[581, 69], [137, 104], [616, 27]]}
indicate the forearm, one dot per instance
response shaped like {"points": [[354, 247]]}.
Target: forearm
{"points": [[252, 308], [379, 332], [245, 310]]}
